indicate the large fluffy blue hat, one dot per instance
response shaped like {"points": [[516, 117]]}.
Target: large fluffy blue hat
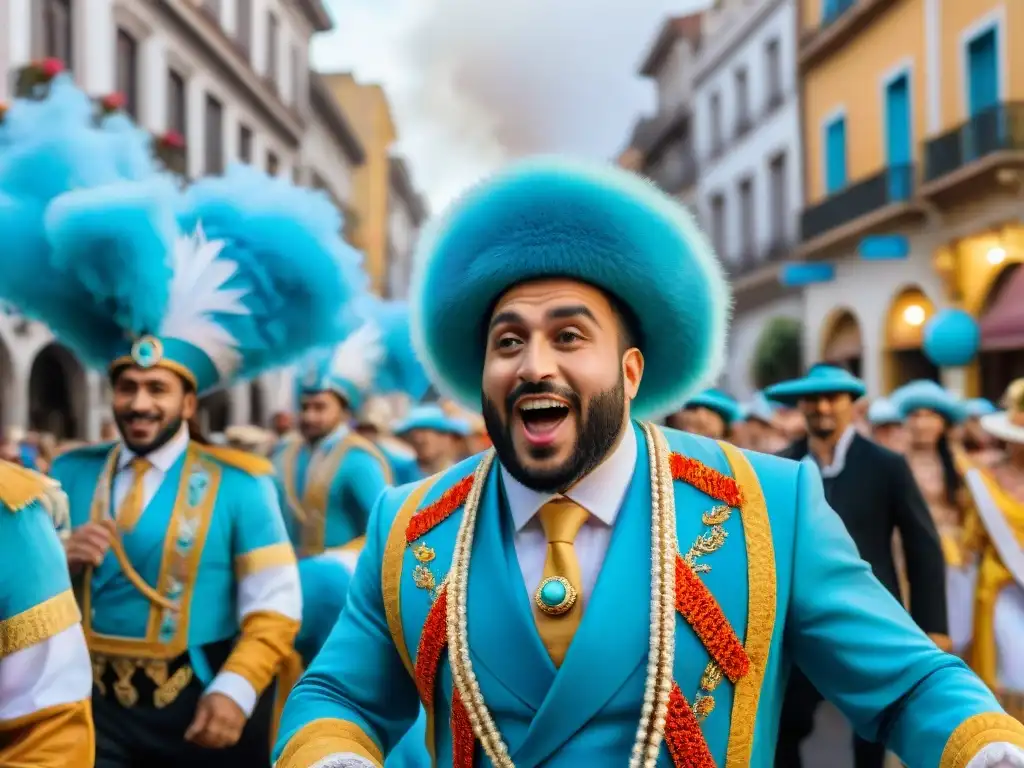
{"points": [[348, 369], [977, 407], [239, 275], [821, 379], [927, 395], [882, 411], [603, 226], [716, 400], [431, 417]]}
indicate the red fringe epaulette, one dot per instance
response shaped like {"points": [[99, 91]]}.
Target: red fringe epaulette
{"points": [[683, 737], [710, 481], [434, 514]]}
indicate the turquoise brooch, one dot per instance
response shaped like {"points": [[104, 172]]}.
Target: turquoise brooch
{"points": [[147, 351], [555, 596]]}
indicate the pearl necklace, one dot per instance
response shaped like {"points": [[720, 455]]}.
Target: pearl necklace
{"points": [[661, 654]]}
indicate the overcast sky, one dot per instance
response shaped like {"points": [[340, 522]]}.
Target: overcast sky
{"points": [[473, 83]]}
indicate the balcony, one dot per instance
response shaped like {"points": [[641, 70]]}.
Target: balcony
{"points": [[844, 20], [974, 154], [743, 126], [755, 276], [870, 204]]}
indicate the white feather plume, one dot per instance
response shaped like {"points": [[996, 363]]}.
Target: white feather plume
{"points": [[356, 359], [197, 292]]}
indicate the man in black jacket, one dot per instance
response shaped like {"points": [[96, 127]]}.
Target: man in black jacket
{"points": [[873, 491]]}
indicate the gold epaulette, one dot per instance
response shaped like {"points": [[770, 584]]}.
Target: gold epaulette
{"points": [[20, 487], [249, 463]]}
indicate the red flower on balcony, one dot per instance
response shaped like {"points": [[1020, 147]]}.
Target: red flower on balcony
{"points": [[50, 67], [112, 102], [173, 140]]}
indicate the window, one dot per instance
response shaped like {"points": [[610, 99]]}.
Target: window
{"points": [[273, 164], [57, 28], [177, 103], [835, 155], [773, 71], [747, 232], [778, 202], [243, 26], [245, 143], [718, 224], [214, 135], [272, 48], [716, 123], [742, 100], [127, 72]]}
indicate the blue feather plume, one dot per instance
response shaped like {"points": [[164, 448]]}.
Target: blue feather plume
{"points": [[401, 370]]}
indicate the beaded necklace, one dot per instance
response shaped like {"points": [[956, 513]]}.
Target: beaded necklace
{"points": [[658, 683]]}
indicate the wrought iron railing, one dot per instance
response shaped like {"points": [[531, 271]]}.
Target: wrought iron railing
{"points": [[891, 185], [998, 128]]}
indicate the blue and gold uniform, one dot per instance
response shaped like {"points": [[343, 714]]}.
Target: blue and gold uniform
{"points": [[199, 591], [45, 676], [328, 488], [720, 568]]}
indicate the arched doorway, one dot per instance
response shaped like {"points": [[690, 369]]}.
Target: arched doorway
{"points": [[215, 412], [57, 393], [6, 377], [999, 364], [257, 404], [841, 342], [904, 360]]}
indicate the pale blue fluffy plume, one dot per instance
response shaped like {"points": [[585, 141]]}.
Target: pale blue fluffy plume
{"points": [[52, 146], [401, 371], [133, 148], [300, 275]]}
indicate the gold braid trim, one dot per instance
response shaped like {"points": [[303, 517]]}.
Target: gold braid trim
{"points": [[325, 737], [249, 463], [38, 623], [20, 487], [977, 732]]}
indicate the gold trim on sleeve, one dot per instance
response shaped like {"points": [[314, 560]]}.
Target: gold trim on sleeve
{"points": [[322, 738], [38, 623], [271, 556], [977, 732]]}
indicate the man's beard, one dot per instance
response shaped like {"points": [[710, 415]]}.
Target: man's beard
{"points": [[595, 437], [163, 437], [819, 431]]}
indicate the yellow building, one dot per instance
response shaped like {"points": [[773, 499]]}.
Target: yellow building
{"points": [[913, 122], [366, 107]]}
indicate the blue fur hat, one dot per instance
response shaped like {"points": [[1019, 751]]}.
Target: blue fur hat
{"points": [[237, 276], [400, 371], [821, 379], [882, 412], [431, 417], [717, 401], [977, 407], [348, 369], [552, 218], [927, 395]]}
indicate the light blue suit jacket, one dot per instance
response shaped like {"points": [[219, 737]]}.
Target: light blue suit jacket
{"points": [[788, 580]]}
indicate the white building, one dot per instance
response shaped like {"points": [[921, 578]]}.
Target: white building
{"points": [[747, 141], [232, 77], [406, 212]]}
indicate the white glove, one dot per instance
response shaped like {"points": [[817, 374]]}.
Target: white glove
{"points": [[352, 760], [997, 756]]}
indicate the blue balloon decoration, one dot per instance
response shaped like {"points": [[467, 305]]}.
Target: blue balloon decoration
{"points": [[951, 338]]}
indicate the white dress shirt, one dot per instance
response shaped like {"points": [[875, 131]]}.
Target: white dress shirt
{"points": [[600, 493], [162, 459]]}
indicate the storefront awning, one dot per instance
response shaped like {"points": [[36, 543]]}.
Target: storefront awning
{"points": [[1002, 326]]}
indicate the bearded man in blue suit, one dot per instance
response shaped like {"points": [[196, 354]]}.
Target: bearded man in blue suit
{"points": [[596, 590]]}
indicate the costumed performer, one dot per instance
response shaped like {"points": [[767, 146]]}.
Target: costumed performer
{"points": [[606, 591], [189, 585], [710, 413], [435, 436], [991, 583], [329, 479], [886, 425]]}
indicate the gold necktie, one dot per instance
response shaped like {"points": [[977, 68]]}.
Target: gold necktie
{"points": [[134, 501], [557, 602]]}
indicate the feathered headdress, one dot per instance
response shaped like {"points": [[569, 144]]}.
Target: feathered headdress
{"points": [[347, 370], [400, 372], [241, 274]]}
